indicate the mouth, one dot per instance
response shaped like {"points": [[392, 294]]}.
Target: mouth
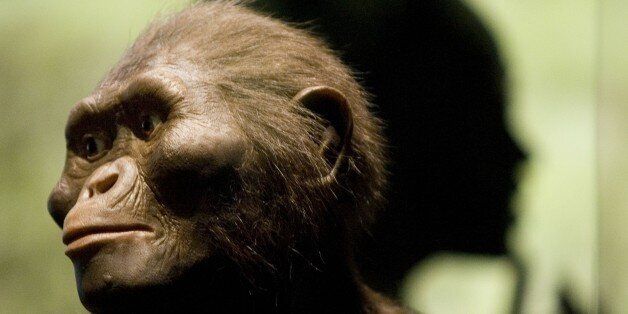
{"points": [[81, 238]]}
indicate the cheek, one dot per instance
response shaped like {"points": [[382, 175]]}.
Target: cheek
{"points": [[194, 168], [186, 148], [203, 144]]}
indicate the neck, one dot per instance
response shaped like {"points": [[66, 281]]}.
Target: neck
{"points": [[331, 287]]}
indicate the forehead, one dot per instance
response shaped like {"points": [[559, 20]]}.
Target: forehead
{"points": [[170, 76], [163, 84]]}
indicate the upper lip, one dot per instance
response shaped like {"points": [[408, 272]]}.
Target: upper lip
{"points": [[74, 233]]}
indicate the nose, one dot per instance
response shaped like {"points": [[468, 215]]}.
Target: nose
{"points": [[108, 184], [110, 181]]}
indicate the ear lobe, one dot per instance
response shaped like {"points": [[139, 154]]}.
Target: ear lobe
{"points": [[330, 105]]}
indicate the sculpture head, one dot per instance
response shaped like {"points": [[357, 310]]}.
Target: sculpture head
{"points": [[224, 145]]}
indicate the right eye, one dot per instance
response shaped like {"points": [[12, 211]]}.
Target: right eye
{"points": [[93, 146]]}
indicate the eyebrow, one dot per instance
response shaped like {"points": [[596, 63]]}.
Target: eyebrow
{"points": [[86, 110], [168, 89]]}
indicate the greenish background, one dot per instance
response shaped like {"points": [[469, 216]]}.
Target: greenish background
{"points": [[562, 57], [52, 53], [612, 125]]}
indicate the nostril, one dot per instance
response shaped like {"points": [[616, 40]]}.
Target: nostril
{"points": [[103, 185]]}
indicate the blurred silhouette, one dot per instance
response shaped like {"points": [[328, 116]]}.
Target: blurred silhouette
{"points": [[439, 85]]}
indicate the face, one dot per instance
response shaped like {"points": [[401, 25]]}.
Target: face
{"points": [[150, 163]]}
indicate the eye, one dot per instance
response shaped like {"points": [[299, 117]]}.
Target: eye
{"points": [[93, 146], [148, 123]]}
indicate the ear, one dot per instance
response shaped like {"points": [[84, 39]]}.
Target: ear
{"points": [[331, 106]]}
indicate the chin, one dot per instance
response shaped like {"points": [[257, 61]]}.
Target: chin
{"points": [[122, 274]]}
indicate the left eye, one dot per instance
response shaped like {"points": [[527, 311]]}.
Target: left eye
{"points": [[148, 123]]}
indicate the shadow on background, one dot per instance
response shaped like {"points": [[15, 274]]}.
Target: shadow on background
{"points": [[439, 85]]}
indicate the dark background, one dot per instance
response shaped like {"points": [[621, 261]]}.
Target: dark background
{"points": [[438, 82]]}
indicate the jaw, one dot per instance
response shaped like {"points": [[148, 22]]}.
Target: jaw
{"points": [[212, 284], [136, 275], [133, 272]]}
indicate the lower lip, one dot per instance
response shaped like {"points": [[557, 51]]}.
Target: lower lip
{"points": [[76, 247]]}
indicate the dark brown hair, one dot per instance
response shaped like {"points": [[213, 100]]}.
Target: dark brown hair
{"points": [[253, 66]]}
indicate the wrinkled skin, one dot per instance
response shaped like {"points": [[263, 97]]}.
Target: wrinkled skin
{"points": [[125, 184]]}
